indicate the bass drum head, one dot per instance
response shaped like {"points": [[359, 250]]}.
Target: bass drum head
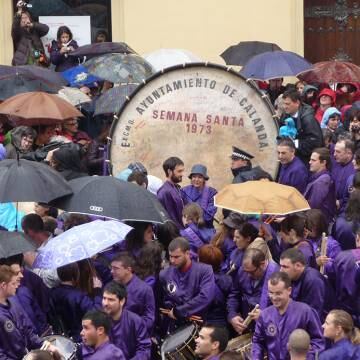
{"points": [[196, 112]]}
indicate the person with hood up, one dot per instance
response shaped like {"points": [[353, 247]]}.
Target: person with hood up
{"points": [[67, 161], [331, 119], [326, 99], [309, 94], [22, 140]]}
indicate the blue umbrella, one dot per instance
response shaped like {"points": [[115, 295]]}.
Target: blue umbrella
{"points": [[79, 76], [80, 242], [274, 64]]}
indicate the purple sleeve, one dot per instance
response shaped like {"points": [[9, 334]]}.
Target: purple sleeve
{"points": [[258, 341], [318, 194], [55, 57], [88, 303], [313, 294], [169, 203], [202, 300], [314, 329], [211, 209], [143, 343], [233, 301], [149, 310]]}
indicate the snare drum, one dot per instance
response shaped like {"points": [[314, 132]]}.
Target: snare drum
{"points": [[180, 345], [36, 354], [67, 347]]}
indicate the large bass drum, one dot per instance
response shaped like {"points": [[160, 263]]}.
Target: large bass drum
{"points": [[196, 112]]}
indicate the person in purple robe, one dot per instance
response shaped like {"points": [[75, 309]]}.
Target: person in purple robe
{"points": [[140, 297], [339, 328], [347, 287], [316, 225], [198, 192], [223, 239], [211, 255], [320, 191], [342, 169], [249, 288], [169, 193], [195, 230], [69, 303], [277, 322], [308, 285], [128, 331], [293, 171], [187, 287], [292, 232], [211, 342], [26, 297], [17, 334], [96, 327]]}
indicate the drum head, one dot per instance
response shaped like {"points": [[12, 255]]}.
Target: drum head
{"points": [[178, 338], [67, 348], [196, 112]]}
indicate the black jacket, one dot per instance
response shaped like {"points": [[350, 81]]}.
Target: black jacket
{"points": [[24, 40], [309, 132], [246, 173]]}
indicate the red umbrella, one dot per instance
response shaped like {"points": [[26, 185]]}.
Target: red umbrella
{"points": [[332, 72], [37, 108]]}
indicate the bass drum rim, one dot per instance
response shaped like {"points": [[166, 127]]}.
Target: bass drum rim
{"points": [[228, 69]]}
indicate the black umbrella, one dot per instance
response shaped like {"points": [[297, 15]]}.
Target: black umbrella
{"points": [[32, 72], [13, 243], [19, 84], [97, 49], [24, 180], [240, 54], [109, 197]]}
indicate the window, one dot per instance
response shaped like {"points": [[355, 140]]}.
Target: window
{"points": [[98, 10]]}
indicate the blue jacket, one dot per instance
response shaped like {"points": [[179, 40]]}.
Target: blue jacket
{"points": [[341, 350]]}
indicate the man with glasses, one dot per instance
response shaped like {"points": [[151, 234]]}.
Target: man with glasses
{"points": [[249, 288], [70, 129]]}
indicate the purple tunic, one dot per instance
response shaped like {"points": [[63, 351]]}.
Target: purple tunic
{"points": [[333, 248], [246, 292], [341, 350], [105, 351], [347, 288], [227, 248], [71, 304], [342, 231], [190, 292], [204, 198], [217, 310], [17, 333], [129, 334], [170, 197], [306, 248], [320, 193], [294, 174], [310, 288], [340, 173], [196, 236], [32, 309], [140, 300], [273, 330]]}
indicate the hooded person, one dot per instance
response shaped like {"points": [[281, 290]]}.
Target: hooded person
{"points": [[67, 161], [326, 99], [331, 119], [309, 94], [22, 140]]}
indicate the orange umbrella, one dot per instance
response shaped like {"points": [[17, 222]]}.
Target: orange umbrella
{"points": [[261, 197], [37, 108]]}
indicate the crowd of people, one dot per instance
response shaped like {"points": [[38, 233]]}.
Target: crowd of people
{"points": [[276, 278]]}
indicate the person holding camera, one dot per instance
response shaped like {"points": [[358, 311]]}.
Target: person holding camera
{"points": [[60, 49], [26, 34], [354, 128]]}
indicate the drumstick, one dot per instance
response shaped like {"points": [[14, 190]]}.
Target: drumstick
{"points": [[232, 268], [249, 319], [323, 248], [164, 311], [45, 345]]}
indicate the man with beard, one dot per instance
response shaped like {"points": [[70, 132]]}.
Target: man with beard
{"points": [[169, 193], [278, 321], [241, 166], [128, 331], [187, 287]]}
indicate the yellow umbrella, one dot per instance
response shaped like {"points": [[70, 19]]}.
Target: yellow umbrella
{"points": [[261, 197]]}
